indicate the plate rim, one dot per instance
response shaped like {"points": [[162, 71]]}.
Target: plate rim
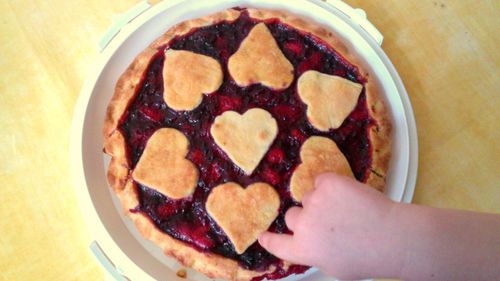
{"points": [[76, 149]]}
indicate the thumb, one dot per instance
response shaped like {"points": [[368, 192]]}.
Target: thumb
{"points": [[279, 245]]}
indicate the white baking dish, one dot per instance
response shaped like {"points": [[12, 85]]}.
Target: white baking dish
{"points": [[116, 243]]}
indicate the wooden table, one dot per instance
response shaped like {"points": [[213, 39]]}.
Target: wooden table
{"points": [[445, 51]]}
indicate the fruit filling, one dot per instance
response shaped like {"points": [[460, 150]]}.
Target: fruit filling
{"points": [[187, 219]]}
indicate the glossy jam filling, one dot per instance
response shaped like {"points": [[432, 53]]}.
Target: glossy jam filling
{"points": [[187, 219]]}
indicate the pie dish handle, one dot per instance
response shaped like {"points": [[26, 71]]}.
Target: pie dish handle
{"points": [[358, 16], [121, 20], [106, 262]]}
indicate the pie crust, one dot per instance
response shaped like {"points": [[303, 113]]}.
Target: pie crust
{"points": [[196, 75], [120, 173], [319, 155], [233, 133], [166, 149], [260, 60], [243, 213], [330, 99]]}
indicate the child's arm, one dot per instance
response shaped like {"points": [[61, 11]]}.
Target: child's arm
{"points": [[351, 231]]}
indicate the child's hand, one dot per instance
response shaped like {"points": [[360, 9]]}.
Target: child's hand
{"points": [[351, 231], [341, 229]]}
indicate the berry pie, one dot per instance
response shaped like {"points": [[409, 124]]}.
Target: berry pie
{"points": [[222, 124]]}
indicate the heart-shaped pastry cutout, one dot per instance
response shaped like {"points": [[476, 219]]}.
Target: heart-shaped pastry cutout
{"points": [[187, 76], [319, 155], [260, 60], [245, 138], [163, 165], [330, 99], [243, 214]]}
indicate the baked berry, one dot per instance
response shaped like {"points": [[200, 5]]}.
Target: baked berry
{"points": [[275, 155], [294, 47]]}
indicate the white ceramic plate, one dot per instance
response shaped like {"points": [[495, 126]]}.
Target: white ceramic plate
{"points": [[117, 243]]}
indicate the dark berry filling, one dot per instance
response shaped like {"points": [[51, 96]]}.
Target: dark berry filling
{"points": [[187, 219]]}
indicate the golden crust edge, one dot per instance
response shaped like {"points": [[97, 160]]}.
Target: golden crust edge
{"points": [[380, 135], [381, 132]]}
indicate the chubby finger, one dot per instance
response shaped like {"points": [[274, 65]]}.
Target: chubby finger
{"points": [[331, 179], [291, 217], [279, 245], [326, 178], [306, 197]]}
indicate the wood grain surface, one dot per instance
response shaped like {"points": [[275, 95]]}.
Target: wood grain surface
{"points": [[447, 53]]}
